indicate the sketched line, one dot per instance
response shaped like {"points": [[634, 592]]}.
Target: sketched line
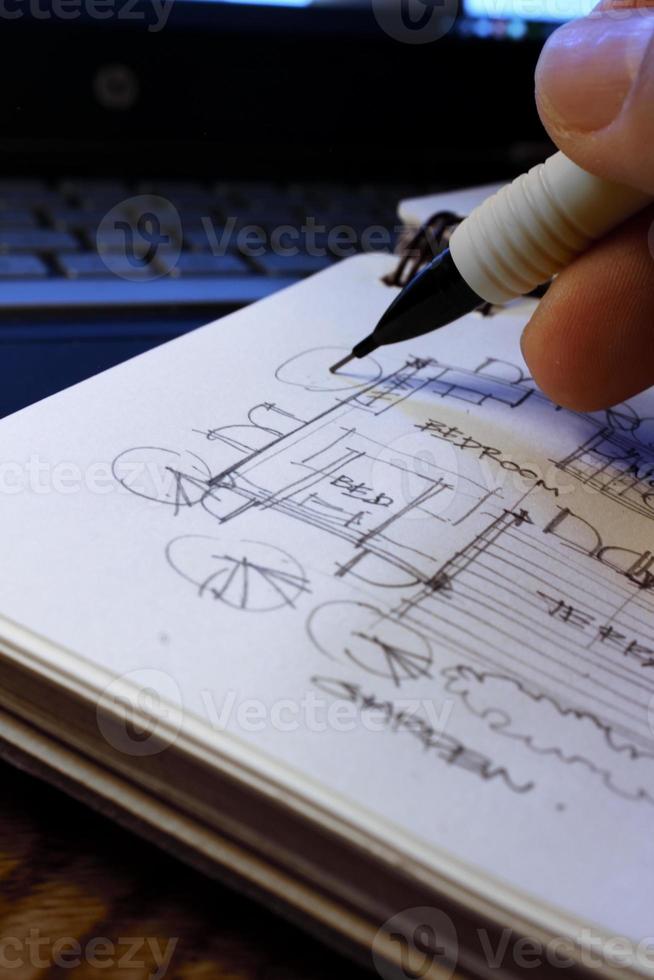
{"points": [[502, 721]]}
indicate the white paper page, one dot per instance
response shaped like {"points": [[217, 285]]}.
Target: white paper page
{"points": [[426, 545]]}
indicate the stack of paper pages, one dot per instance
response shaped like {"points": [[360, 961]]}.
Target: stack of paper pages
{"points": [[378, 647]]}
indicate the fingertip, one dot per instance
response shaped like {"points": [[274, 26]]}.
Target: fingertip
{"points": [[589, 343], [559, 369], [594, 92]]}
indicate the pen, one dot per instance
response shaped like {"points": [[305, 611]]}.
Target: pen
{"points": [[515, 241]]}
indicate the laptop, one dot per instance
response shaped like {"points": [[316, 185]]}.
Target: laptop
{"points": [[167, 161]]}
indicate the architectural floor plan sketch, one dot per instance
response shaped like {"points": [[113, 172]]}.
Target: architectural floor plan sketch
{"points": [[512, 579], [417, 593]]}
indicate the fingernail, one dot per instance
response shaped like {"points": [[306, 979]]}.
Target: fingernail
{"points": [[589, 67]]}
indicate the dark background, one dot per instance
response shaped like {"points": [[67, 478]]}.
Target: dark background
{"points": [[227, 92], [275, 94]]}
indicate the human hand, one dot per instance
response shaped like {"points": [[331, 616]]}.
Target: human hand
{"points": [[590, 344]]}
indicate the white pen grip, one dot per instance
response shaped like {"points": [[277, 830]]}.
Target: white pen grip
{"points": [[534, 227]]}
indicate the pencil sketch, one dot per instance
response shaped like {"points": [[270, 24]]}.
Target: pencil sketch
{"points": [[455, 561], [246, 575], [376, 642], [307, 370]]}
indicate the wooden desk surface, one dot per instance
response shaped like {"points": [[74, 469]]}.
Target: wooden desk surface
{"points": [[81, 898]]}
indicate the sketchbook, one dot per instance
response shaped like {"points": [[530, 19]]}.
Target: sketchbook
{"points": [[377, 647]]}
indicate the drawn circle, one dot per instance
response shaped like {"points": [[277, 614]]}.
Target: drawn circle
{"points": [[362, 634], [625, 419], [645, 432], [418, 942], [310, 370], [245, 575], [169, 477], [622, 417], [140, 713], [377, 571]]}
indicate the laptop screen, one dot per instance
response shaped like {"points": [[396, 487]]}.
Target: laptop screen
{"points": [[486, 19]]}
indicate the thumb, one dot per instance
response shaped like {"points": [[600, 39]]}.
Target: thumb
{"points": [[595, 92]]}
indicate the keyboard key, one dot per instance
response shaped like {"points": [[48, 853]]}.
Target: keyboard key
{"points": [[195, 223], [114, 240], [153, 210], [22, 267], [110, 240], [18, 218], [196, 210], [82, 265], [84, 186], [37, 240], [9, 200], [78, 264], [211, 239], [117, 293], [75, 208], [293, 265], [205, 264], [65, 218], [193, 206], [101, 200], [268, 217]]}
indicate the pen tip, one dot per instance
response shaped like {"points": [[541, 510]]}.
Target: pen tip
{"points": [[335, 368]]}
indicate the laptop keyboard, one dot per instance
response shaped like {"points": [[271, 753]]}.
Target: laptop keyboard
{"points": [[87, 242]]}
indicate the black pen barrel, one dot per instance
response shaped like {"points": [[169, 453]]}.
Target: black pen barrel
{"points": [[437, 296]]}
